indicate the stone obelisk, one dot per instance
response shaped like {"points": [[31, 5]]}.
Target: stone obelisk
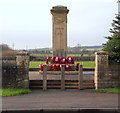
{"points": [[59, 26]]}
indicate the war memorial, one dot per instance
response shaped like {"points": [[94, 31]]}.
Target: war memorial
{"points": [[51, 81]]}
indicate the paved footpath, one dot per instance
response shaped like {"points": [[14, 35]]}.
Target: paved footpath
{"points": [[58, 99]]}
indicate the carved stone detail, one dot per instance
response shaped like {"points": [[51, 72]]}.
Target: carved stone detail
{"points": [[59, 18]]}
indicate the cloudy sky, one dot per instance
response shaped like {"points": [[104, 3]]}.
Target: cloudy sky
{"points": [[28, 23]]}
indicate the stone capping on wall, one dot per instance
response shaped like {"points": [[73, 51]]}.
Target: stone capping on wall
{"points": [[8, 58], [8, 63], [23, 53], [101, 53]]}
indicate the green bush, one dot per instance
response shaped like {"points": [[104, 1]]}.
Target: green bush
{"points": [[113, 44]]}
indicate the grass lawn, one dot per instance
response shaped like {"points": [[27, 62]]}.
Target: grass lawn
{"points": [[109, 90], [35, 64], [13, 91], [86, 64]]}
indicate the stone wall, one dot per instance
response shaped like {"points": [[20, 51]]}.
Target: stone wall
{"points": [[107, 73], [9, 73], [113, 74], [15, 73]]}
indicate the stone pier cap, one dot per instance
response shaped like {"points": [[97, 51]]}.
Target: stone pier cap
{"points": [[101, 53], [59, 9], [22, 53]]}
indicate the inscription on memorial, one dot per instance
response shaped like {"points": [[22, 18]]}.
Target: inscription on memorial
{"points": [[59, 31], [59, 35]]}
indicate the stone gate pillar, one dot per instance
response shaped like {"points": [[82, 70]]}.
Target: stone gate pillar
{"points": [[22, 61], [59, 24], [101, 69]]}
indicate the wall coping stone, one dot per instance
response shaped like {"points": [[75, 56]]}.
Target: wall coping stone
{"points": [[101, 53], [23, 53]]}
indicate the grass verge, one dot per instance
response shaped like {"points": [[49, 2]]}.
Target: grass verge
{"points": [[109, 90], [13, 91]]}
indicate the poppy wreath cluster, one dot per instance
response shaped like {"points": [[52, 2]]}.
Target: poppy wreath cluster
{"points": [[58, 62], [46, 60], [57, 67], [41, 67], [62, 60]]}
